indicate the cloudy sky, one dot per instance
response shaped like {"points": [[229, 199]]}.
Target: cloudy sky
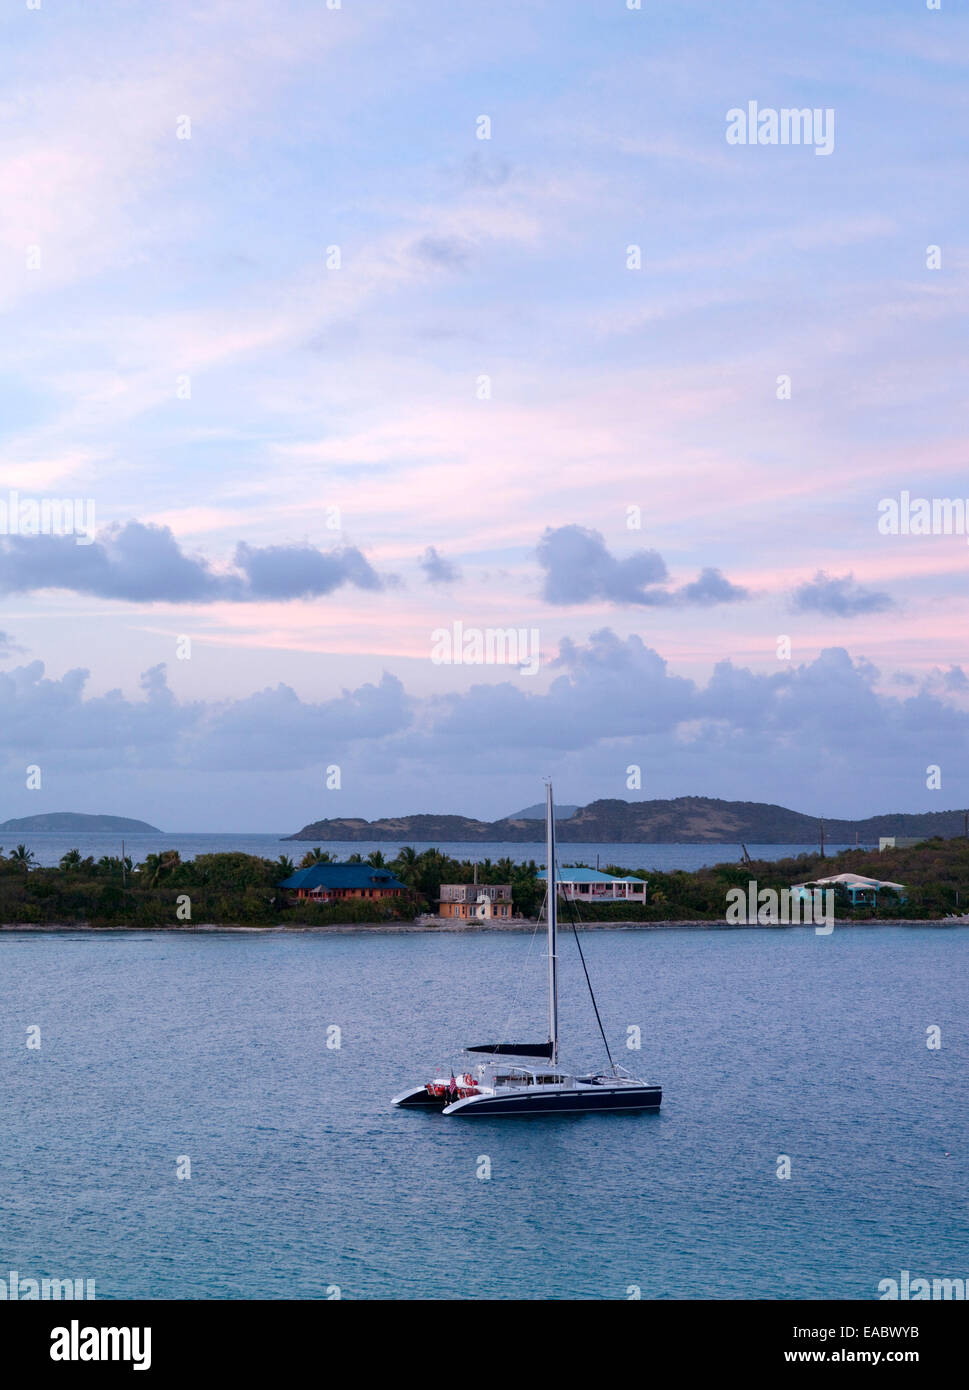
{"points": [[336, 373]]}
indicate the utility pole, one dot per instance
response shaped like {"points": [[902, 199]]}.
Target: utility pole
{"points": [[124, 869], [822, 839]]}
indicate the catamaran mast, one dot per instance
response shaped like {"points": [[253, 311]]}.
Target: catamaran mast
{"points": [[551, 917]]}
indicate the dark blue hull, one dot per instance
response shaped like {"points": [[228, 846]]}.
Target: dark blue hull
{"points": [[579, 1102]]}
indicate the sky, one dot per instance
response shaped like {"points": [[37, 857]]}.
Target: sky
{"points": [[345, 324]]}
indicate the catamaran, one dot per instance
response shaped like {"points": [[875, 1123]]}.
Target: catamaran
{"points": [[540, 1085]]}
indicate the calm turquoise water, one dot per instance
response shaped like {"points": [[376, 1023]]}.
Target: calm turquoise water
{"points": [[767, 1043], [49, 845]]}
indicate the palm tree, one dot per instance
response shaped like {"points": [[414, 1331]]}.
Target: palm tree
{"points": [[23, 857], [113, 864], [71, 859], [315, 856], [284, 866], [405, 866], [157, 864], [170, 859], [150, 867], [376, 859], [355, 859]]}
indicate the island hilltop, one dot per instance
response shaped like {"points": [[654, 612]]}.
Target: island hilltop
{"points": [[683, 820], [74, 820]]}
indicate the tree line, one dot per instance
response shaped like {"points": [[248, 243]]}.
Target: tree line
{"points": [[242, 888]]}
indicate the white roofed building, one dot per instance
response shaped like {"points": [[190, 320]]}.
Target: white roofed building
{"points": [[591, 885], [861, 890]]}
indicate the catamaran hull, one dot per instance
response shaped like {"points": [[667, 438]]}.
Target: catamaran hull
{"points": [[418, 1099], [560, 1102]]}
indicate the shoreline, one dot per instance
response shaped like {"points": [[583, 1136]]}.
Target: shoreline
{"points": [[463, 928]]}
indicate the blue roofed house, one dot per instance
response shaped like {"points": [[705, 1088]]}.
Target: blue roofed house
{"points": [[591, 885], [324, 883]]}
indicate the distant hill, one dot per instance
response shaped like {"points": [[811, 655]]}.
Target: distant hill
{"points": [[73, 820], [537, 812], [439, 829], [683, 820], [708, 820]]}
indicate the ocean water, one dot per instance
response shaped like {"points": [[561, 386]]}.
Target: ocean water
{"points": [[767, 1042], [49, 845]]}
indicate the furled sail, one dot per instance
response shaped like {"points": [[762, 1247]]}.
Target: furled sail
{"points": [[542, 1049]]}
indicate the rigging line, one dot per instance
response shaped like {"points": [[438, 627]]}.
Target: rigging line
{"points": [[589, 983]]}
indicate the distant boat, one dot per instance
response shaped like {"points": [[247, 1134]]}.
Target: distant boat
{"points": [[537, 1085]]}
